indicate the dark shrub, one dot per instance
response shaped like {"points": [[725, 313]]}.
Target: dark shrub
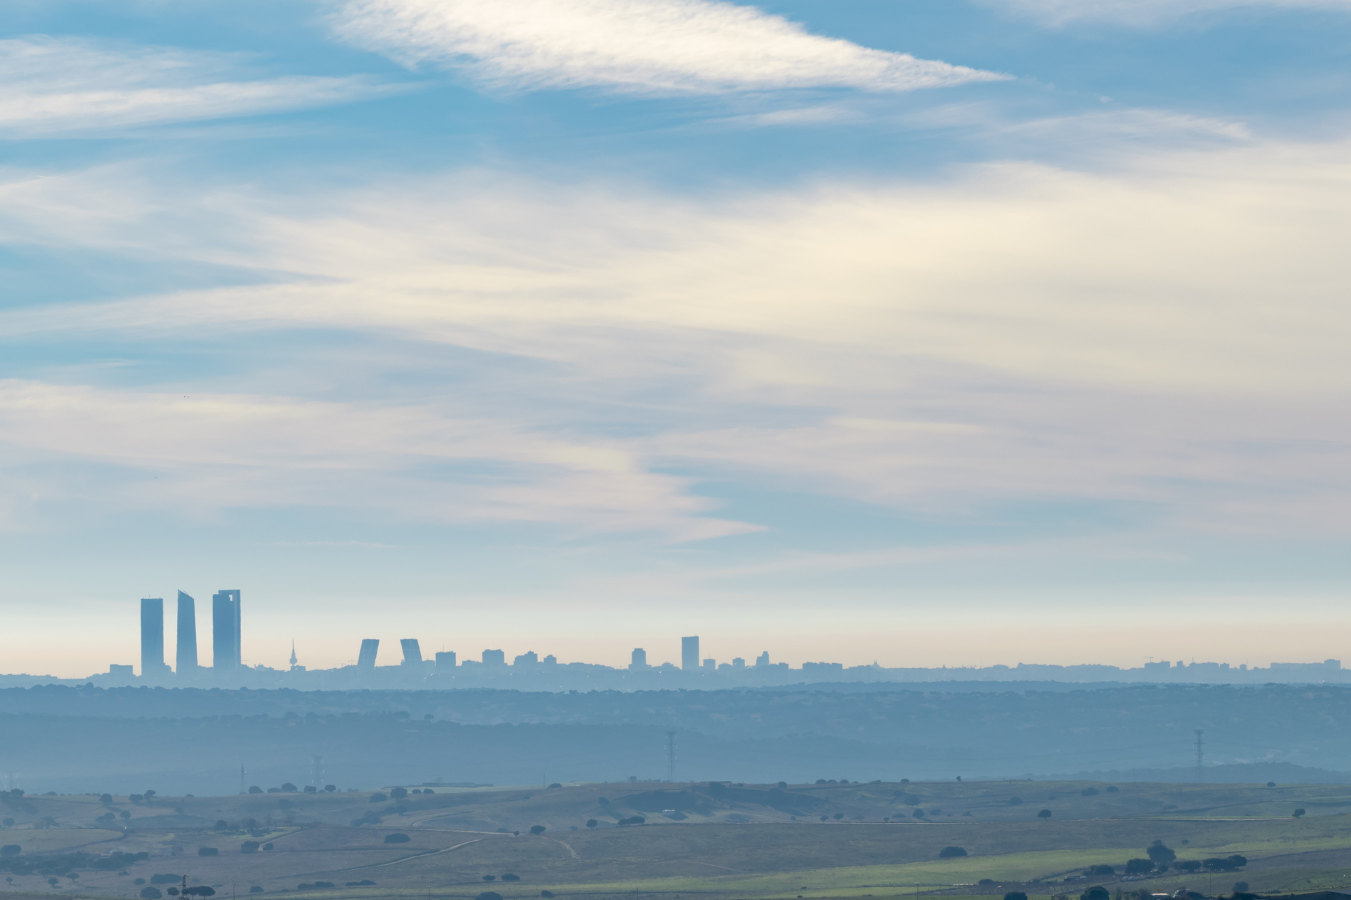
{"points": [[1225, 864], [207, 851], [1015, 801], [249, 847], [150, 893], [1240, 887], [1096, 892], [378, 797], [489, 877], [10, 850], [1112, 789], [1187, 865], [255, 789], [1015, 895], [537, 829], [1139, 866], [399, 793], [256, 889], [1100, 870], [511, 877], [311, 789], [289, 788], [397, 837], [1089, 792], [1298, 813], [546, 894], [950, 852], [1160, 853]]}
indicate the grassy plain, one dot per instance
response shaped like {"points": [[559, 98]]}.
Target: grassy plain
{"points": [[697, 841]]}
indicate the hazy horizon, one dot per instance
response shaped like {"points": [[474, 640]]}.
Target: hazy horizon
{"points": [[925, 333]]}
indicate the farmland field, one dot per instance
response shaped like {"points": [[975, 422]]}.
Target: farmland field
{"points": [[688, 840]]}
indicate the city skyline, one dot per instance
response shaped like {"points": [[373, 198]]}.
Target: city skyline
{"points": [[948, 331]]}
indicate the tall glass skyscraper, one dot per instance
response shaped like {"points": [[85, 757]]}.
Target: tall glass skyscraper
{"points": [[187, 634], [689, 653], [152, 636], [225, 655]]}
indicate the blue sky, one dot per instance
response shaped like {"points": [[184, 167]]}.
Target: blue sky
{"points": [[918, 332]]}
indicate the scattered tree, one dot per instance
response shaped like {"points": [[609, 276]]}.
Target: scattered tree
{"points": [[378, 797], [839, 816], [1015, 895], [255, 789], [208, 851], [1226, 863], [1188, 865], [1112, 789], [536, 829], [1096, 892], [1299, 813], [1139, 866], [1160, 853], [591, 823], [311, 789], [489, 877], [151, 893], [511, 877], [249, 847], [10, 850], [398, 793], [1044, 814], [330, 788], [950, 852]]}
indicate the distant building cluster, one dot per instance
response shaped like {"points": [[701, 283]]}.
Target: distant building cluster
{"points": [[226, 637], [531, 672]]}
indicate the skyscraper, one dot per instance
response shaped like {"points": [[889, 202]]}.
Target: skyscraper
{"points": [[225, 631], [639, 659], [187, 634], [152, 636], [412, 653], [369, 648], [689, 653]]}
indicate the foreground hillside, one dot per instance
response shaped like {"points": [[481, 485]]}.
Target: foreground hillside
{"points": [[706, 839]]}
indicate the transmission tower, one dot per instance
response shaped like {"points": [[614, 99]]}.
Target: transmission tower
{"points": [[317, 771], [670, 755], [1200, 758], [242, 788]]}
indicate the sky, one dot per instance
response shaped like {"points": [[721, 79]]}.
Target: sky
{"points": [[923, 332]]}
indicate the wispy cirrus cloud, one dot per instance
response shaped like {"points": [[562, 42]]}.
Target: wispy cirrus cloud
{"points": [[72, 86], [641, 46], [201, 454], [1170, 335], [1147, 12]]}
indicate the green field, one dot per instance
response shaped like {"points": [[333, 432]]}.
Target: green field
{"points": [[703, 840]]}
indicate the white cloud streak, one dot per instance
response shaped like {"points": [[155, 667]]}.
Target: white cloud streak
{"points": [[216, 452], [1170, 336], [71, 86], [646, 46], [1145, 13]]}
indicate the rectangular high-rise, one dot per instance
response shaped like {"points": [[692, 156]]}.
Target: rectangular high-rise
{"points": [[369, 648], [412, 653], [187, 634], [689, 653], [152, 636], [225, 654]]}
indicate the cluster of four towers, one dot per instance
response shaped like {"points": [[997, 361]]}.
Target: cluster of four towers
{"points": [[225, 644]]}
